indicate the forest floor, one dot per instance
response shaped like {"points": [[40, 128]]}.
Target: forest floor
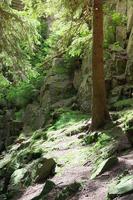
{"points": [[75, 164], [78, 155]]}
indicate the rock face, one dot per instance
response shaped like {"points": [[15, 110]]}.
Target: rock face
{"points": [[119, 67], [68, 82], [58, 91]]}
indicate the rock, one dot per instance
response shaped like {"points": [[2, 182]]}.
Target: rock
{"points": [[121, 187], [91, 138], [104, 166], [84, 89], [68, 191], [5, 161], [126, 197], [130, 45], [130, 16], [129, 134], [45, 168], [49, 185], [18, 179], [33, 118]]}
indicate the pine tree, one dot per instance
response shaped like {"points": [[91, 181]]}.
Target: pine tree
{"points": [[100, 112]]}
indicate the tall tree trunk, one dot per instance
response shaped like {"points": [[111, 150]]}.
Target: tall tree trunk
{"points": [[100, 112]]}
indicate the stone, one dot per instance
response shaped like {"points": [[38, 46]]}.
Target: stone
{"points": [[5, 161], [84, 89], [91, 138], [121, 187], [125, 197], [17, 178], [130, 45], [68, 191], [130, 16], [49, 185], [44, 168], [33, 118], [104, 166]]}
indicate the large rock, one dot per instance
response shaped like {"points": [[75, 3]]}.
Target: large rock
{"points": [[44, 168], [121, 31], [130, 16], [18, 179], [33, 118], [84, 89], [130, 45], [49, 185], [121, 187], [104, 166]]}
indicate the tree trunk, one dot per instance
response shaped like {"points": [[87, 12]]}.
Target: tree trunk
{"points": [[100, 112]]}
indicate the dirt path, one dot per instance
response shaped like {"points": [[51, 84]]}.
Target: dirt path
{"points": [[72, 157]]}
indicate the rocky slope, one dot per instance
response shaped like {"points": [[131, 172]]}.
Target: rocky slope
{"points": [[77, 165], [49, 153]]}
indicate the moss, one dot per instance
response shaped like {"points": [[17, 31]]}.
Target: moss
{"points": [[68, 191], [49, 185], [126, 119], [90, 138], [122, 104], [67, 118], [39, 134]]}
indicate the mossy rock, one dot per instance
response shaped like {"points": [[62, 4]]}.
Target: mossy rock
{"points": [[49, 185], [121, 187], [122, 104], [91, 138], [18, 179], [29, 154], [43, 169], [104, 166], [68, 191], [39, 134]]}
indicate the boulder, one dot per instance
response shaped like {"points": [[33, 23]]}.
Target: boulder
{"points": [[68, 191], [44, 168], [18, 179], [104, 166], [49, 185], [121, 187], [130, 45], [130, 16], [33, 118]]}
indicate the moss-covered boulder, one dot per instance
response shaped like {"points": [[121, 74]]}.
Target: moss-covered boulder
{"points": [[68, 191], [49, 185], [44, 168], [121, 187], [104, 166], [91, 138], [18, 181]]}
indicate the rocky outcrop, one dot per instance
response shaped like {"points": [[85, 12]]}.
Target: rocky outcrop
{"points": [[57, 92]]}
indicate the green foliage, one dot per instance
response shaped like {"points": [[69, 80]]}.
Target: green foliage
{"points": [[67, 118], [39, 134], [25, 91], [115, 19], [18, 34], [123, 104], [4, 85], [126, 119], [118, 19]]}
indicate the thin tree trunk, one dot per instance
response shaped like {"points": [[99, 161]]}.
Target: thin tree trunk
{"points": [[100, 112]]}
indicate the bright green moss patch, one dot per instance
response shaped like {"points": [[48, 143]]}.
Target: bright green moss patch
{"points": [[68, 118], [122, 104]]}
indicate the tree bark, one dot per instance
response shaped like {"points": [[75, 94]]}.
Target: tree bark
{"points": [[100, 112]]}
